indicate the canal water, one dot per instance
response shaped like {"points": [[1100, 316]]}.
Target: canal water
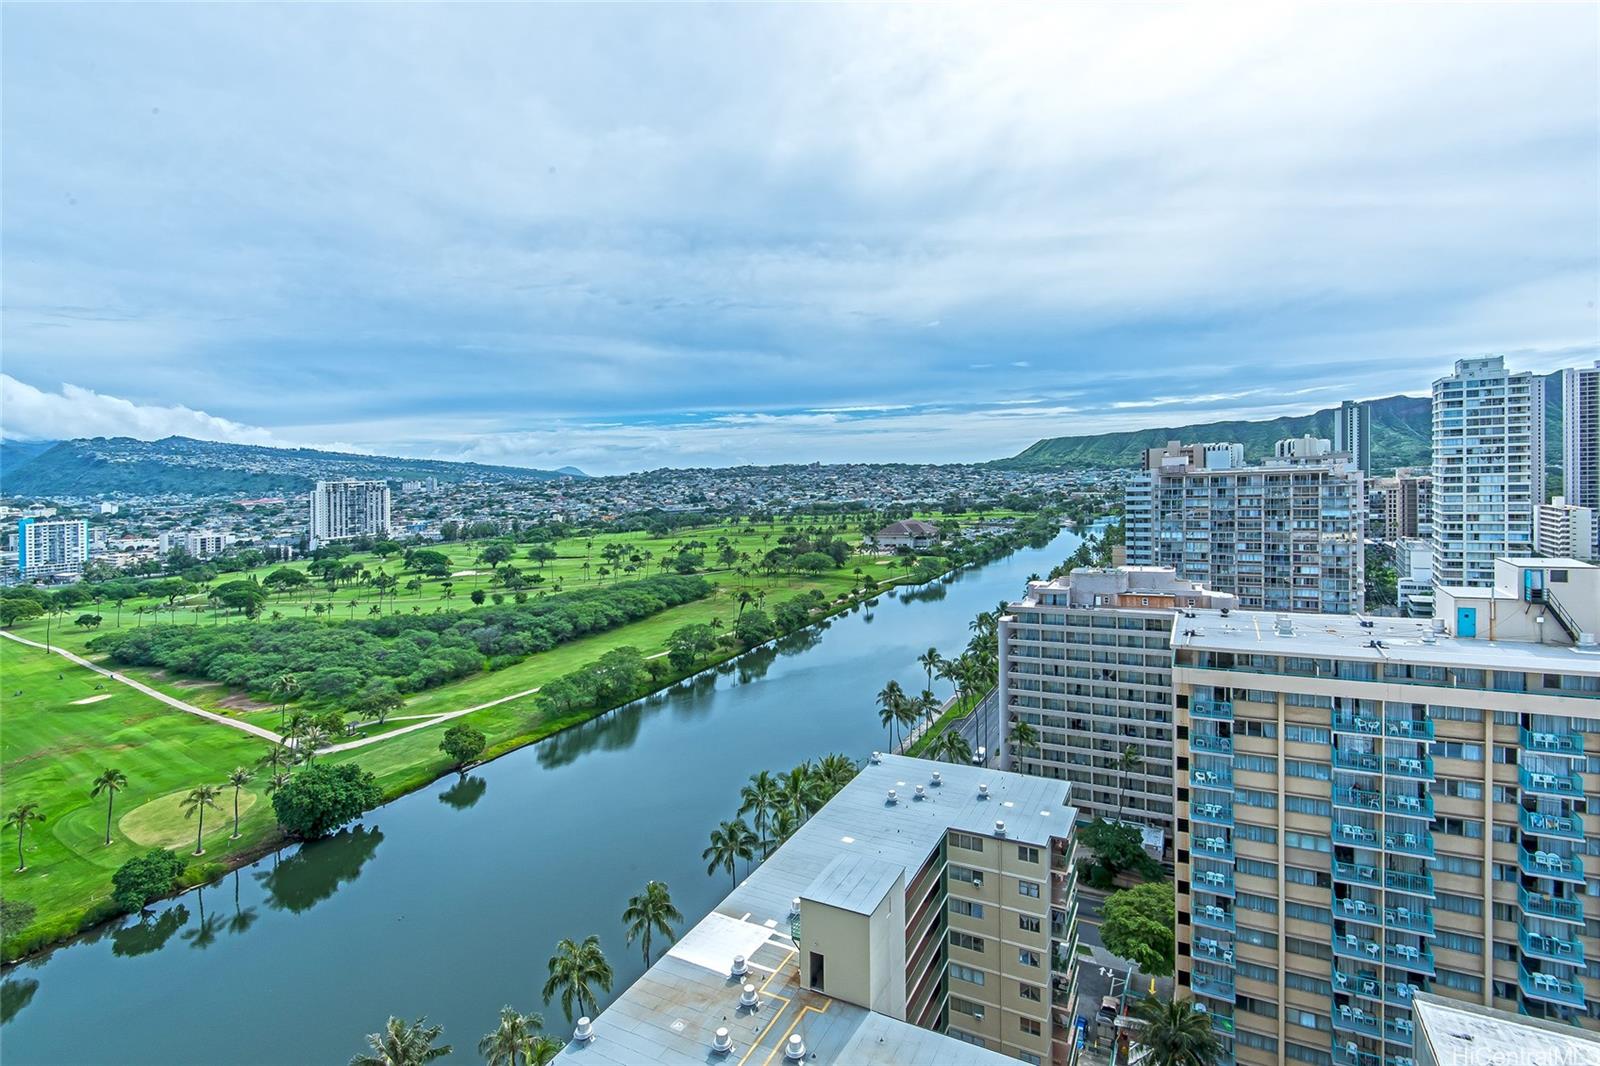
{"points": [[449, 901]]}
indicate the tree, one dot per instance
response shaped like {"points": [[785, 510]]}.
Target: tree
{"points": [[1127, 762], [754, 627], [543, 1049], [403, 1044], [688, 643], [760, 797], [87, 621], [650, 912], [110, 781], [495, 554], [929, 661], [890, 700], [1176, 1033], [379, 698], [16, 609], [478, 596], [146, 877], [1137, 924], [239, 778], [730, 842], [463, 744], [319, 799], [575, 970], [1023, 736], [195, 803], [511, 1039], [1116, 848], [19, 818], [951, 746]]}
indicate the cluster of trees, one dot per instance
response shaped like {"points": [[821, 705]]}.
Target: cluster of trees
{"points": [[411, 652], [778, 804], [1115, 849]]}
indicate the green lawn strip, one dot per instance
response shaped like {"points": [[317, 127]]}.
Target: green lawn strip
{"points": [[52, 748], [959, 709]]}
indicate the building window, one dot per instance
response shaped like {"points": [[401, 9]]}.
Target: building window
{"points": [[966, 940], [1316, 771], [1031, 993], [1027, 957], [1308, 805], [1027, 854], [1028, 888], [966, 841], [966, 906], [1460, 942], [1306, 842], [967, 874], [1030, 1026], [1028, 923], [966, 973], [968, 1038]]}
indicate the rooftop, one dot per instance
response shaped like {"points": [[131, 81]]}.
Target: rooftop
{"points": [[1345, 636], [843, 854], [1466, 1032]]}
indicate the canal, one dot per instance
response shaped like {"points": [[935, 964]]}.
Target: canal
{"points": [[449, 901]]}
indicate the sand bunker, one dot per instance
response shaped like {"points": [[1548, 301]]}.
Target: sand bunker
{"points": [[94, 699]]}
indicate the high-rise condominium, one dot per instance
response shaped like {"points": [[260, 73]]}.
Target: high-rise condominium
{"points": [[1488, 468], [1086, 661], [1352, 433], [1284, 535], [924, 915], [1580, 443], [51, 547], [1372, 808], [1406, 502], [342, 510]]}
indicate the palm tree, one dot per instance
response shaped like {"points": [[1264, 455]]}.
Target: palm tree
{"points": [[1127, 762], [1024, 736], [929, 661], [906, 715], [543, 1049], [574, 969], [650, 912], [402, 1044], [1176, 1033], [196, 802], [728, 846], [512, 1038], [784, 823], [833, 772], [238, 779], [798, 792], [890, 697], [760, 797], [20, 816], [110, 782]]}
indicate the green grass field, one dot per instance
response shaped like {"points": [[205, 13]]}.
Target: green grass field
{"points": [[51, 748]]}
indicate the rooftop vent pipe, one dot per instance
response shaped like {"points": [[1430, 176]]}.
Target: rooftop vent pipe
{"points": [[584, 1031], [983, 792], [796, 1049], [739, 966], [999, 828], [937, 780], [919, 792], [748, 997], [891, 797], [877, 758], [722, 1043]]}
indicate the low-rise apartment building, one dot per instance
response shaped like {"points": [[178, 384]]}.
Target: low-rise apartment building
{"points": [[1086, 661], [924, 914], [1372, 808], [1564, 529]]}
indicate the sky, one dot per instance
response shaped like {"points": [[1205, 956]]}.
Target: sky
{"points": [[626, 237]]}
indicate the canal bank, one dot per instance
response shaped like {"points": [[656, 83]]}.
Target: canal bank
{"points": [[448, 902]]}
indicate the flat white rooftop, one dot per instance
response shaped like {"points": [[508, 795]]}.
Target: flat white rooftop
{"points": [[1455, 1032], [1359, 638]]}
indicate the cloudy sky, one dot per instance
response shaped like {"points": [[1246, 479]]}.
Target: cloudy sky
{"points": [[628, 237]]}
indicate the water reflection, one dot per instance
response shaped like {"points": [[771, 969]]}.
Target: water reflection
{"points": [[243, 917], [15, 993], [149, 933], [464, 793], [929, 593], [315, 872]]}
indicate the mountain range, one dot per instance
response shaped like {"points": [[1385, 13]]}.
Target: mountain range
{"points": [[1402, 431], [123, 466]]}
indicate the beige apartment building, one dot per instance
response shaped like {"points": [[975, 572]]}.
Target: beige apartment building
{"points": [[1405, 503], [1086, 661], [925, 914], [1368, 809]]}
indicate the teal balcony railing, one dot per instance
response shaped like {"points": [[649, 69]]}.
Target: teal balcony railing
{"points": [[1403, 843], [1399, 1031], [1358, 799], [1355, 946], [1553, 948], [1416, 884], [1552, 907], [1216, 984], [1540, 783], [1222, 779], [1208, 947], [1358, 983], [1552, 864], [1415, 767], [1417, 920], [1348, 1054], [1212, 744], [1355, 873], [1351, 1019], [1564, 742], [1399, 993], [1218, 882], [1346, 722], [1214, 916], [1360, 761], [1353, 834], [1409, 806], [1549, 988], [1411, 957], [1215, 710], [1215, 813], [1357, 910], [1564, 826], [1409, 728], [1212, 847]]}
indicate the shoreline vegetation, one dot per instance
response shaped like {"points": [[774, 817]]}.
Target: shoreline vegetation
{"points": [[595, 685]]}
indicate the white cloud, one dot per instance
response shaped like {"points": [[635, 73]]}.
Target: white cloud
{"points": [[27, 413]]}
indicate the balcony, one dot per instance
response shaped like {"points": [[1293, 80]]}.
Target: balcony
{"points": [[1360, 761], [1410, 957], [1550, 864], [1413, 767], [1346, 722], [1409, 806], [1409, 729], [1565, 826], [1399, 1031], [1348, 1054], [1348, 1019], [1399, 993], [1543, 784], [1217, 985], [1417, 920], [1564, 742], [1561, 910], [1213, 847], [1211, 916], [1549, 988], [1359, 799], [1419, 844], [1217, 882], [1351, 946], [1363, 983], [1354, 873], [1222, 779], [1553, 948], [1355, 835], [1209, 743], [1356, 910], [1215, 813], [1415, 884], [1206, 947], [1215, 710]]}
